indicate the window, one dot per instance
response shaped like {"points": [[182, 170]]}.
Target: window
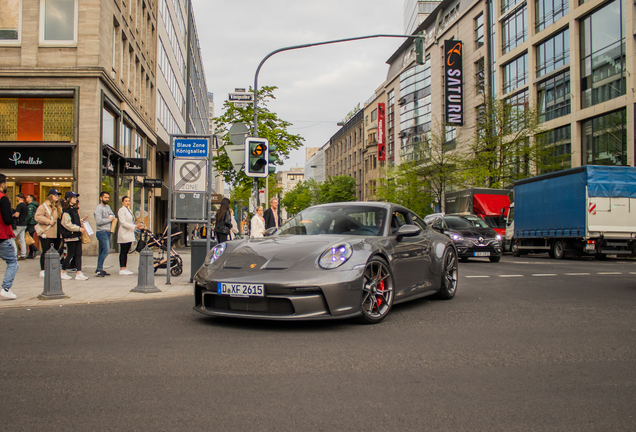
{"points": [[480, 75], [450, 136], [125, 140], [374, 115], [506, 5], [553, 53], [556, 149], [548, 12], [603, 55], [514, 29], [515, 74], [515, 111], [58, 22], [479, 31], [10, 22], [553, 97], [109, 128], [605, 139]]}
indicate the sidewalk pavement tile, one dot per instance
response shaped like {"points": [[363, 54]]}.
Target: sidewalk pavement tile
{"points": [[28, 285]]}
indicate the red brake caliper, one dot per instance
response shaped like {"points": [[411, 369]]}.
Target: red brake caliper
{"points": [[380, 288]]}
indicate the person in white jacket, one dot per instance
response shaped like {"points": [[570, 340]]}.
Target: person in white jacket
{"points": [[126, 234], [258, 224]]}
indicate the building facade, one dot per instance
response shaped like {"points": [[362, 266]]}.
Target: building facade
{"points": [[315, 164], [415, 12], [77, 99]]}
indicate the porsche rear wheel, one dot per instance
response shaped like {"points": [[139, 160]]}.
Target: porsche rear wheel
{"points": [[377, 291], [450, 275]]}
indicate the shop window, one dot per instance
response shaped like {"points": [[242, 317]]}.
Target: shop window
{"points": [[58, 22], [10, 22], [35, 119]]}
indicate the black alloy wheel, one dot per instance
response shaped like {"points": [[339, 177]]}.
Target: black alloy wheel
{"points": [[450, 275], [377, 291]]}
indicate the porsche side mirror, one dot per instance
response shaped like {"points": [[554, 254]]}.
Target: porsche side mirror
{"points": [[269, 231], [408, 231]]}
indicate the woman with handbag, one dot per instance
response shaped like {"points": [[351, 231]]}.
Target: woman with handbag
{"points": [[223, 221], [126, 234], [71, 230], [46, 216]]}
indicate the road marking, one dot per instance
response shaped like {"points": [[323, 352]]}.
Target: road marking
{"points": [[609, 273], [477, 276], [545, 274], [577, 274], [505, 276], [632, 272]]}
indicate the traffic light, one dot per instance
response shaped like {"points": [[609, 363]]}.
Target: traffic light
{"points": [[256, 157], [272, 159], [419, 50]]}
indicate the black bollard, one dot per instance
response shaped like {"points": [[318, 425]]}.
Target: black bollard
{"points": [[146, 276], [52, 279]]}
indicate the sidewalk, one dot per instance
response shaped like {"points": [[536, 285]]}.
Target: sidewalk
{"points": [[28, 285]]}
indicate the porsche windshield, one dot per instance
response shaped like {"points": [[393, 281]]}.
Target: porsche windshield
{"points": [[353, 220]]}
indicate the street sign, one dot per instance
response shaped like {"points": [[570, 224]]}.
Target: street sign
{"points": [[240, 97], [190, 147], [216, 198], [240, 104], [190, 175], [236, 153], [239, 90], [238, 132]]}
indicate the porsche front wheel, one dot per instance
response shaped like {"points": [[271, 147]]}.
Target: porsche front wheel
{"points": [[450, 275], [377, 291]]}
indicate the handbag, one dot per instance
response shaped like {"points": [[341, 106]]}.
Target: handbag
{"points": [[140, 245], [113, 225], [85, 238], [28, 239]]}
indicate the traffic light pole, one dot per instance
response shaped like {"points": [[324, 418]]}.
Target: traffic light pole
{"points": [[289, 48]]}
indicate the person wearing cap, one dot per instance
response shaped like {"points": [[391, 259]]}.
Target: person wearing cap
{"points": [[47, 216], [72, 228], [7, 249], [32, 205], [20, 215]]}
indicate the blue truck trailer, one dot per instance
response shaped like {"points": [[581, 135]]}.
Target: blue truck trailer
{"points": [[590, 210]]}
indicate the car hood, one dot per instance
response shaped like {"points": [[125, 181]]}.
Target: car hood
{"points": [[474, 232], [280, 252]]}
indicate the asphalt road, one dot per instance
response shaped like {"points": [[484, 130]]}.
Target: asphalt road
{"points": [[527, 344]]}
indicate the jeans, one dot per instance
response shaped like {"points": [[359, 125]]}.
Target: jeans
{"points": [[104, 247], [7, 253], [19, 234]]}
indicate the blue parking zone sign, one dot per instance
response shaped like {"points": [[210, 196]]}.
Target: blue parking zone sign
{"points": [[190, 147]]}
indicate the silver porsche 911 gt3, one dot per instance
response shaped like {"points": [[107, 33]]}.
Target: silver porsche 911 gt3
{"points": [[339, 260]]}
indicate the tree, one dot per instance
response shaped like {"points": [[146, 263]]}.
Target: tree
{"points": [[269, 126], [305, 194], [421, 182], [504, 148], [337, 189]]}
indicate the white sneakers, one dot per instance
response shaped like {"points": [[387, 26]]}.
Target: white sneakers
{"points": [[8, 294], [65, 276], [80, 276], [125, 272], [41, 273]]}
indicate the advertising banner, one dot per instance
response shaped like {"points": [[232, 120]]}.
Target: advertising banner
{"points": [[381, 134], [453, 83]]}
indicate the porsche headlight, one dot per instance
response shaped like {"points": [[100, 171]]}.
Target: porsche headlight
{"points": [[214, 254], [335, 256]]}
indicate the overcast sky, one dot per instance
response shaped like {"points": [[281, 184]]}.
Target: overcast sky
{"points": [[317, 86]]}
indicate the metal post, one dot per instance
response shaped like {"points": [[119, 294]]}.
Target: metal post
{"points": [[169, 239], [146, 275], [52, 278], [208, 202]]}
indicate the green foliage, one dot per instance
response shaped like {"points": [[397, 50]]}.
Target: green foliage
{"points": [[303, 195], [403, 186], [503, 149], [337, 189], [269, 126]]}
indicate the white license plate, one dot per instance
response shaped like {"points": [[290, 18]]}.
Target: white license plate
{"points": [[240, 290], [590, 246], [482, 253]]}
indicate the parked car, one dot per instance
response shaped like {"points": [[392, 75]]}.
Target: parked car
{"points": [[340, 260], [471, 234]]}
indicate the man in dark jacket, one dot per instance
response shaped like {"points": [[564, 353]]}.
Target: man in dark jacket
{"points": [[7, 248], [33, 205], [271, 214], [20, 215]]}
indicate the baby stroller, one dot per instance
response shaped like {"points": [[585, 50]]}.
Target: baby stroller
{"points": [[161, 242]]}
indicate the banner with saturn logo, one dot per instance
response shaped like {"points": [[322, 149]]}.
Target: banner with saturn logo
{"points": [[453, 83]]}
